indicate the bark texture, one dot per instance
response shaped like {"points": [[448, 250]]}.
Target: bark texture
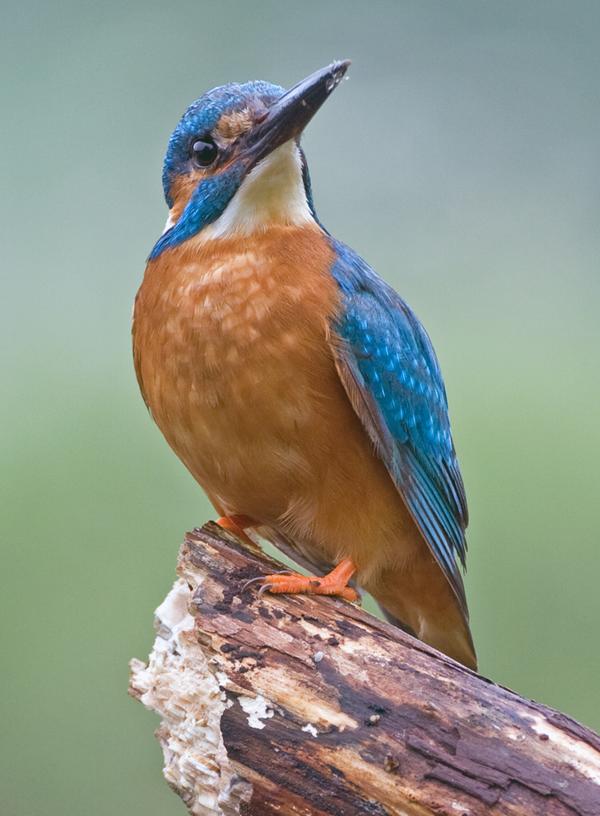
{"points": [[311, 706]]}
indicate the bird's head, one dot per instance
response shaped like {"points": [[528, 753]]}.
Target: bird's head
{"points": [[234, 164]]}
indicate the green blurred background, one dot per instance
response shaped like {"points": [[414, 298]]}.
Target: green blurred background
{"points": [[461, 159]]}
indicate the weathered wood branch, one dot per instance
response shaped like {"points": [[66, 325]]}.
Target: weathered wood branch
{"points": [[303, 705]]}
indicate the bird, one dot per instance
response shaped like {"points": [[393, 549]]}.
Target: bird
{"points": [[294, 383]]}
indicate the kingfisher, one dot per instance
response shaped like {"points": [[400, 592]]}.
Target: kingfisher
{"points": [[297, 387]]}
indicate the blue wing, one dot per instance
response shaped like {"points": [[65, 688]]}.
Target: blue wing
{"points": [[391, 375]]}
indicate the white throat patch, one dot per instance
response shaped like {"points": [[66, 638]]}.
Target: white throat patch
{"points": [[272, 193]]}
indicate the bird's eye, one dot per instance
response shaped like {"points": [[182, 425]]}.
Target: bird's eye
{"points": [[204, 151]]}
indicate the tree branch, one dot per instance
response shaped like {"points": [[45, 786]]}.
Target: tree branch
{"points": [[309, 705]]}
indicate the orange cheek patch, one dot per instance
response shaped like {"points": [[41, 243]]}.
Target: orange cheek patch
{"points": [[181, 191]]}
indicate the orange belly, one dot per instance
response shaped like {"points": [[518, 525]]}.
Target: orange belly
{"points": [[231, 352]]}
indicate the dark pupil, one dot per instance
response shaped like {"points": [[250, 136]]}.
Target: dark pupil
{"points": [[204, 151]]}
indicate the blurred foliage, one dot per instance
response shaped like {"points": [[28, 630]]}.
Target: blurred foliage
{"points": [[461, 159]]}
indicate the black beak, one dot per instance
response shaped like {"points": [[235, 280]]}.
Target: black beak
{"points": [[291, 113]]}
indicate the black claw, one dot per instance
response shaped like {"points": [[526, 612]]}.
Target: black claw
{"points": [[246, 584]]}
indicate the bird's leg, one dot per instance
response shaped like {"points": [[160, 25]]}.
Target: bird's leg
{"points": [[334, 583], [237, 525]]}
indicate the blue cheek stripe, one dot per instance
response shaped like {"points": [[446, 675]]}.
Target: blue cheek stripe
{"points": [[207, 203]]}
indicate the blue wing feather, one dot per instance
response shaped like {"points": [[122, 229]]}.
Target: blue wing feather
{"points": [[392, 377]]}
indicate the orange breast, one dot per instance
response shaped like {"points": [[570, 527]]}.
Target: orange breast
{"points": [[232, 358]]}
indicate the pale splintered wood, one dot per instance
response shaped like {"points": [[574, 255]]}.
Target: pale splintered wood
{"points": [[304, 705]]}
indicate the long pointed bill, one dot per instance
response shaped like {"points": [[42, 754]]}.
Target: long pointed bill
{"points": [[290, 114]]}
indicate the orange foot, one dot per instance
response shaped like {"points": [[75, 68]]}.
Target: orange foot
{"points": [[292, 583], [237, 525]]}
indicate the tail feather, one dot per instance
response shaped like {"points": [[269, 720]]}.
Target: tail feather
{"points": [[419, 599], [455, 641]]}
